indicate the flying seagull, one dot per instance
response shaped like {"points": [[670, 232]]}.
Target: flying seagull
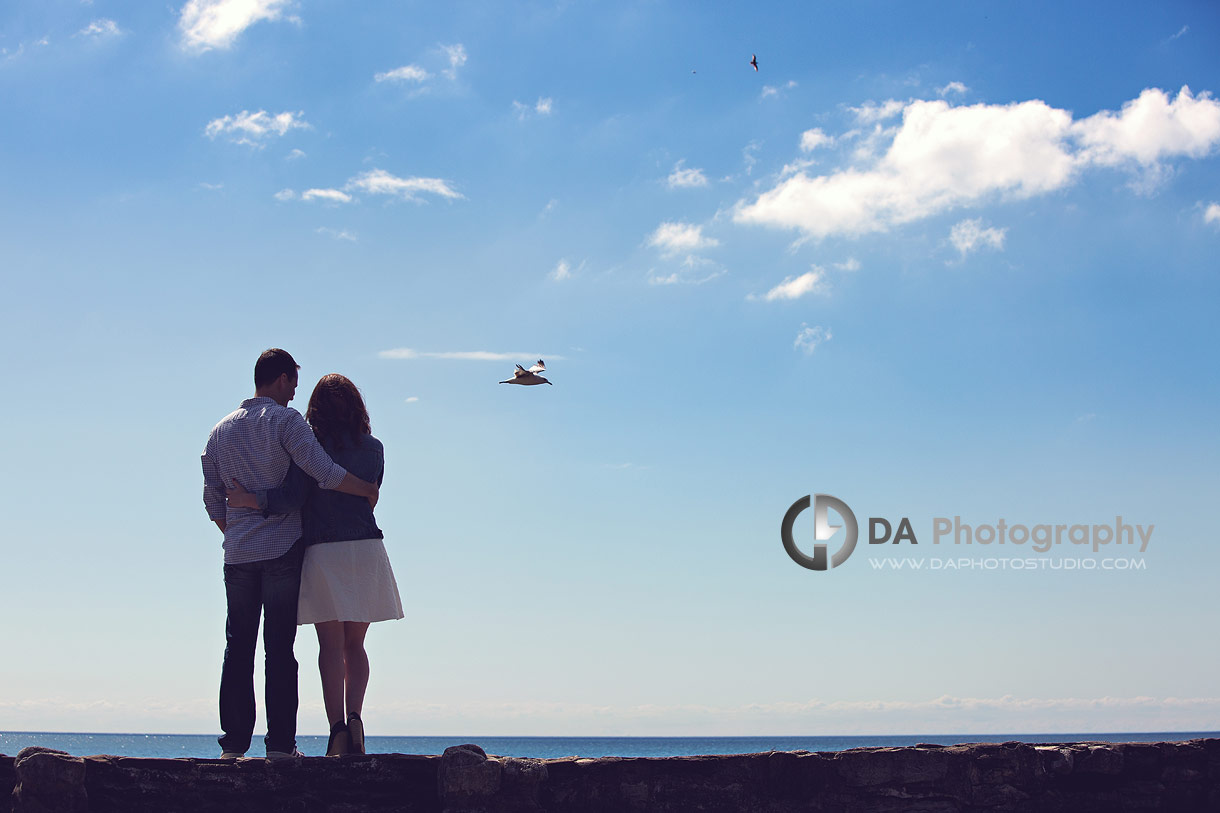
{"points": [[530, 376], [754, 62]]}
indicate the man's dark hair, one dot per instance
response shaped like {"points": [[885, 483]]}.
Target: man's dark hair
{"points": [[271, 365]]}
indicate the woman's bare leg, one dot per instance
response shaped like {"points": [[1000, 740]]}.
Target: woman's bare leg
{"points": [[331, 649], [357, 661]]}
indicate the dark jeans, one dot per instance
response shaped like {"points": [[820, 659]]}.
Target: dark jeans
{"points": [[269, 588]]}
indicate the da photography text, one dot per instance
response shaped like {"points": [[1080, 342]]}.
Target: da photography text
{"points": [[999, 537]]}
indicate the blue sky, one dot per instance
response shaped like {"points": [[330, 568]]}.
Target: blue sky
{"points": [[933, 259]]}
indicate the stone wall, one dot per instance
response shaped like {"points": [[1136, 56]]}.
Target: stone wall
{"points": [[1012, 776]]}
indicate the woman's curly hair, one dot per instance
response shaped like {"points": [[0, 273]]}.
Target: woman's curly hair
{"points": [[336, 411]]}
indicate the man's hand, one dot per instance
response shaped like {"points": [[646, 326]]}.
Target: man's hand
{"points": [[361, 488], [220, 523]]}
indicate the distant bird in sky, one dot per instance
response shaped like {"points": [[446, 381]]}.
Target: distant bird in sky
{"points": [[530, 376], [754, 61]]}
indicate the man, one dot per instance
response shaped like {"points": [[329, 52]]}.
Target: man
{"points": [[262, 570]]}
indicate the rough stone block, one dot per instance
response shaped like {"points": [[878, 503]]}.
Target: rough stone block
{"points": [[891, 766], [1102, 759], [467, 781], [49, 781]]}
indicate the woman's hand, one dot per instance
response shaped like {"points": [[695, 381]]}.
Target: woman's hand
{"points": [[238, 497]]}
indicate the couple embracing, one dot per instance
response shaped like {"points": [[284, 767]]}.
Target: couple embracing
{"points": [[294, 498]]}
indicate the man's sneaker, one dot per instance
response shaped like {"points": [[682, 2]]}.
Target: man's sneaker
{"points": [[233, 755], [295, 754]]}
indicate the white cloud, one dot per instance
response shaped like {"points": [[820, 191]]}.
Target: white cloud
{"points": [[375, 182], [869, 143], [464, 355], [682, 277], [294, 155], [207, 24], [982, 717], [380, 182], [773, 90], [407, 73], [969, 236], [337, 234], [810, 337], [692, 270], [11, 55], [870, 112], [100, 28], [812, 139], [811, 282], [456, 55], [542, 107], [413, 399], [255, 128], [1181, 32], [211, 187], [952, 87], [683, 178], [328, 195], [1151, 128], [943, 157], [749, 156], [1212, 213], [564, 270], [676, 238], [799, 165], [850, 264]]}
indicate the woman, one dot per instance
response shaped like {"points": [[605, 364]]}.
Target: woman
{"points": [[346, 579]]}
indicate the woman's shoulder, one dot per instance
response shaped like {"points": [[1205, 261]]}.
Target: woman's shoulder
{"points": [[354, 450]]}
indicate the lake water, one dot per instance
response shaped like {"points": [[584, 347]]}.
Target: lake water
{"points": [[200, 745]]}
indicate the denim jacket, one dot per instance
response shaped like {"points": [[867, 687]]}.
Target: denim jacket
{"points": [[326, 515]]}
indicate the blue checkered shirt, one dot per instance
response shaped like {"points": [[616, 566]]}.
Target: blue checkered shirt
{"points": [[254, 446]]}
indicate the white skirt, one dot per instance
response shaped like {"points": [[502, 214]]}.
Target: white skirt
{"points": [[347, 581]]}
